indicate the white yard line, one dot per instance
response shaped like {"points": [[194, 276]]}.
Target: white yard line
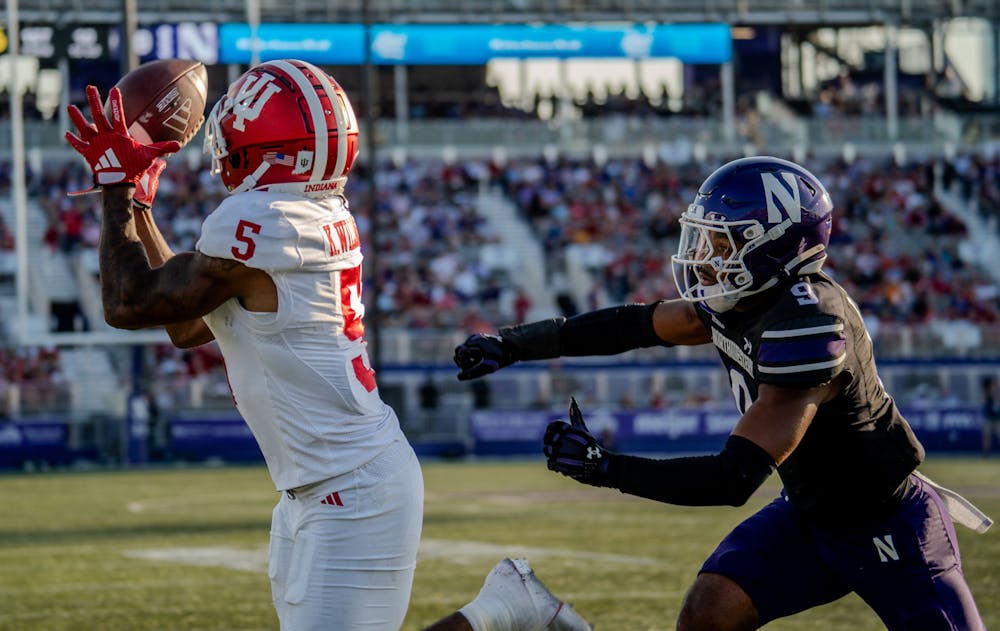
{"points": [[246, 559], [172, 503], [460, 552], [470, 551]]}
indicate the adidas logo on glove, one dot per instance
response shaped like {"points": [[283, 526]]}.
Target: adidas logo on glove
{"points": [[109, 161]]}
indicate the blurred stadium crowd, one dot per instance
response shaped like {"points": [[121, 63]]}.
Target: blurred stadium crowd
{"points": [[605, 225], [897, 246]]}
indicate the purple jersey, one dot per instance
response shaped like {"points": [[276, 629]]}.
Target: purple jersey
{"points": [[858, 450]]}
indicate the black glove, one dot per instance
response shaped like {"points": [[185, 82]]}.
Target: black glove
{"points": [[573, 451], [481, 355]]}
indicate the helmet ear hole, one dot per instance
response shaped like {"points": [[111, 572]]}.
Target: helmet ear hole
{"points": [[235, 160]]}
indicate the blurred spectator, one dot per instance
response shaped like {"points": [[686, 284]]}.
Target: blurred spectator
{"points": [[991, 413], [32, 379], [429, 398], [481, 394], [429, 393], [522, 305]]}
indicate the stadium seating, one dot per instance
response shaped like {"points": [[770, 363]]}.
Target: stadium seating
{"points": [[593, 234], [492, 210], [896, 246]]}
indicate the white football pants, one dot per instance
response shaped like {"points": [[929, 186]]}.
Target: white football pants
{"points": [[343, 551]]}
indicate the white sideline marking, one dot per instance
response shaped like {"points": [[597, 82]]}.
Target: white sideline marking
{"points": [[246, 559], [465, 552], [461, 552], [170, 504]]}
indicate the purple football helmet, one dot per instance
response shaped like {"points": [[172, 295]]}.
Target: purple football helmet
{"points": [[754, 222]]}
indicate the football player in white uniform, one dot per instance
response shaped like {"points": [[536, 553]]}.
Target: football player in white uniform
{"points": [[276, 281]]}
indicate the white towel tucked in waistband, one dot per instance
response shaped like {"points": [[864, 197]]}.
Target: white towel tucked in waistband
{"points": [[962, 511]]}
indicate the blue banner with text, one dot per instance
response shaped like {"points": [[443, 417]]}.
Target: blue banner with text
{"points": [[29, 444], [475, 44], [688, 429]]}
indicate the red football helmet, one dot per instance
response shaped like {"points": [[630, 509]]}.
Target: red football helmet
{"points": [[285, 125]]}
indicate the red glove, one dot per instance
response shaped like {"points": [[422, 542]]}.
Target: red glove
{"points": [[145, 187], [113, 155]]}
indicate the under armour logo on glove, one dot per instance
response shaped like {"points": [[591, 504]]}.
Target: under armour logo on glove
{"points": [[573, 451], [115, 158]]}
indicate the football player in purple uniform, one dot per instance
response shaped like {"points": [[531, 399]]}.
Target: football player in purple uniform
{"points": [[853, 516]]}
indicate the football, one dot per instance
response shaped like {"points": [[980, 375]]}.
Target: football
{"points": [[165, 100]]}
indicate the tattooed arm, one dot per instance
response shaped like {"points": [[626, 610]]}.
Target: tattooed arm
{"points": [[186, 334], [177, 293]]}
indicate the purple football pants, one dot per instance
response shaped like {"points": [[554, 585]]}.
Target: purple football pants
{"points": [[906, 567]]}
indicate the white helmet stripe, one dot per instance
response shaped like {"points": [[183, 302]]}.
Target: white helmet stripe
{"points": [[315, 111], [342, 124]]}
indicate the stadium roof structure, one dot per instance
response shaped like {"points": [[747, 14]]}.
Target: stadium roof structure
{"points": [[917, 13]]}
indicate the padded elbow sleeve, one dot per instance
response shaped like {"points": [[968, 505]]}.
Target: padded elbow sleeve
{"points": [[727, 478], [610, 331], [602, 332]]}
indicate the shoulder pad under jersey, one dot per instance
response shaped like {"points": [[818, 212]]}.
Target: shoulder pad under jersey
{"points": [[802, 352], [281, 232]]}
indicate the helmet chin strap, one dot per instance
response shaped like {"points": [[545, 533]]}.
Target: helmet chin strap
{"points": [[250, 181]]}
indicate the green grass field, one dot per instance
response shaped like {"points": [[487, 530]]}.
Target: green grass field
{"points": [[185, 549]]}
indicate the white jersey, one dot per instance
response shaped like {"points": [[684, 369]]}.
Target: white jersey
{"points": [[300, 376]]}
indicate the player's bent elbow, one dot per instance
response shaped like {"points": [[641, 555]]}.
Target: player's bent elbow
{"points": [[186, 341], [745, 466], [740, 495], [189, 334], [119, 319]]}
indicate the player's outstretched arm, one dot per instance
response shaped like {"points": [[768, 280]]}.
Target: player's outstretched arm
{"points": [[727, 478], [602, 332], [186, 334], [764, 436]]}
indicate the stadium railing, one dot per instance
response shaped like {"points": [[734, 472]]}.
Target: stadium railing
{"points": [[673, 137]]}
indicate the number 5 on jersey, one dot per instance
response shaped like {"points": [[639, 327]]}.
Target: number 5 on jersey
{"points": [[352, 309], [244, 230]]}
